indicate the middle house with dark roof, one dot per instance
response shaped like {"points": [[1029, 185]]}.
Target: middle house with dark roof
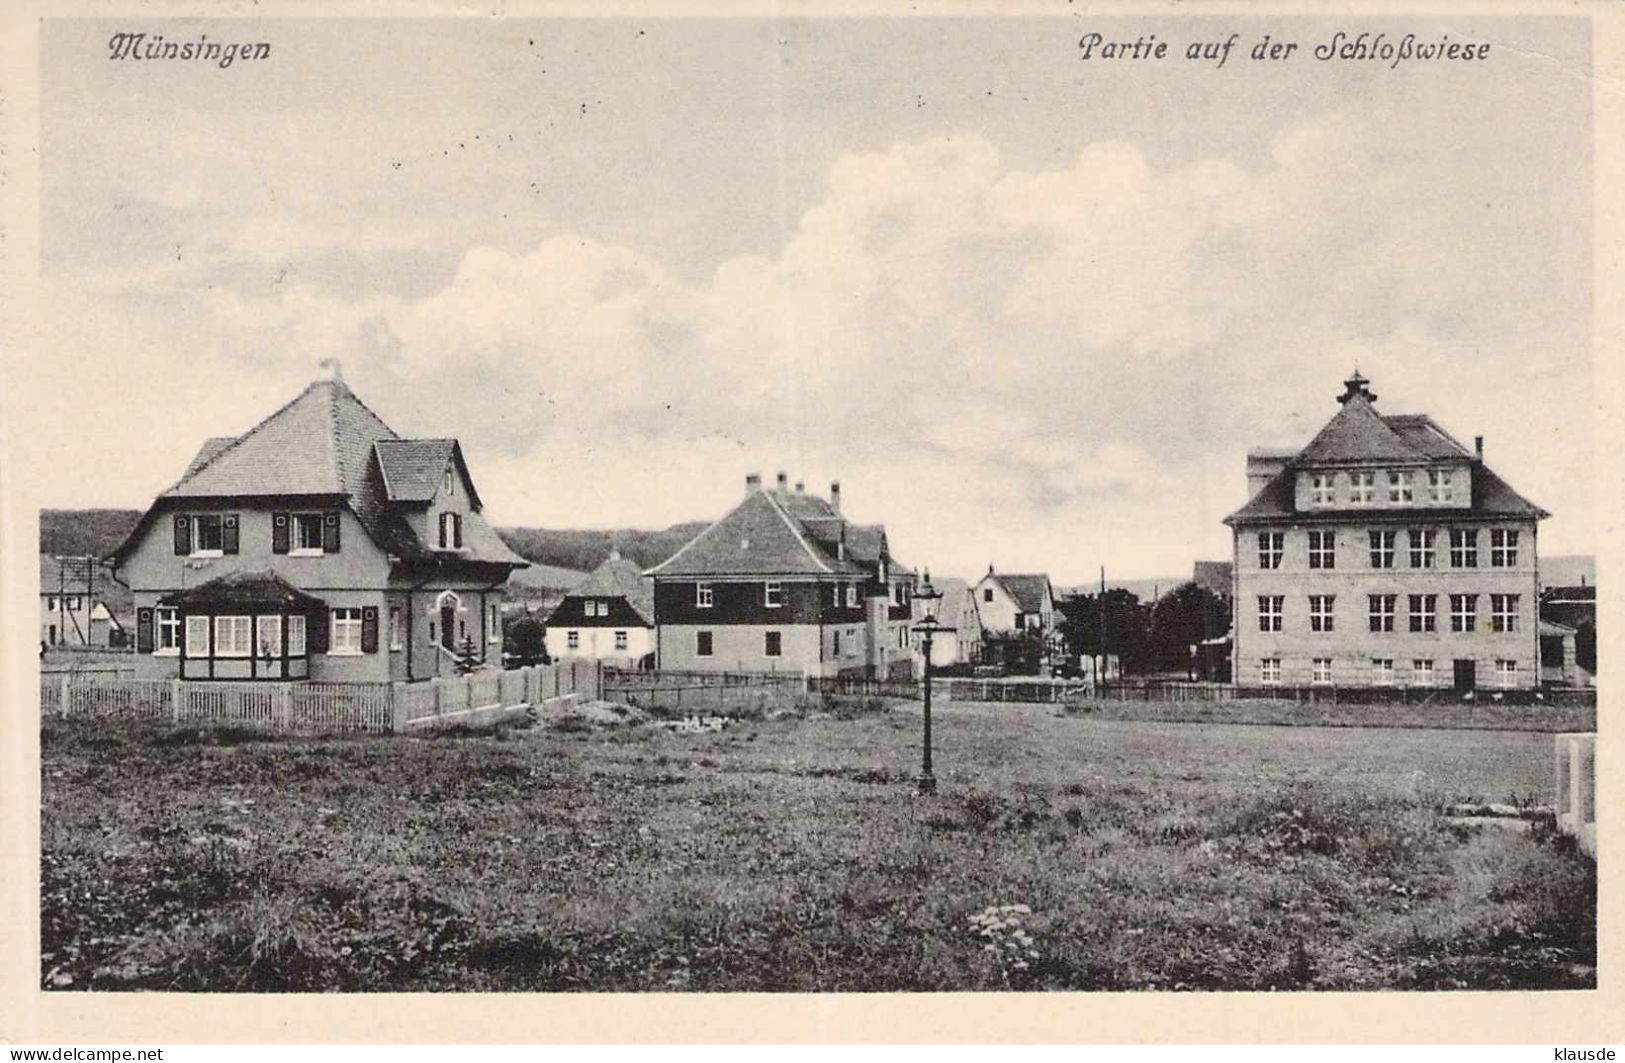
{"points": [[785, 582]]}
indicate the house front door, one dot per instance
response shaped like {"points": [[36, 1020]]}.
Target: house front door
{"points": [[448, 626], [1466, 674]]}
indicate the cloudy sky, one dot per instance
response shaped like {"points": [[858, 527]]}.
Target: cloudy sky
{"points": [[1028, 309]]}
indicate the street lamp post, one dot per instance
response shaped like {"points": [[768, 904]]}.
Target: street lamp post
{"points": [[927, 629]]}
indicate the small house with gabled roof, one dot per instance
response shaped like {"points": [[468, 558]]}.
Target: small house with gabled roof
{"points": [[1010, 602], [317, 545], [609, 616], [785, 582], [1384, 553]]}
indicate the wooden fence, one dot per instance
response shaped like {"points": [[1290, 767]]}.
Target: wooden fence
{"points": [[319, 708], [1020, 690]]}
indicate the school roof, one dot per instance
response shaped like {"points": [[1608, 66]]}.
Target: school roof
{"points": [[779, 532], [1358, 435]]}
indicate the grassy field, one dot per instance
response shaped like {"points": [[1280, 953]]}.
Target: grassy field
{"points": [[1448, 712], [1061, 853]]}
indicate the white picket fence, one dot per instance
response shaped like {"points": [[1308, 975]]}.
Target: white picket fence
{"points": [[320, 708]]}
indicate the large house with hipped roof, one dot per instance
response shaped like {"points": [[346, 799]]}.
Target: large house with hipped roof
{"points": [[609, 616], [317, 545], [1384, 553], [785, 583]]}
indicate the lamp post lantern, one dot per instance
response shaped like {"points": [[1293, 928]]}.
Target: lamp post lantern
{"points": [[927, 629]]}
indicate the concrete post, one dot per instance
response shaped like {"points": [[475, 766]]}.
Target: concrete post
{"points": [[177, 691], [397, 709], [66, 696]]}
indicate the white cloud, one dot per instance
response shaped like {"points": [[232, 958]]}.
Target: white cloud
{"points": [[1029, 367]]}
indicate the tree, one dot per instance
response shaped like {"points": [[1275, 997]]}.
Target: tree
{"points": [[525, 640], [1127, 622], [1182, 619], [468, 657]]}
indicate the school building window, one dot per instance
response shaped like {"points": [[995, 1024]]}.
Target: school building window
{"points": [[1323, 549], [1321, 617], [1382, 612], [1464, 548], [1270, 608], [772, 643], [1271, 546], [1463, 613], [1424, 612], [1504, 612], [1422, 548], [1382, 549]]}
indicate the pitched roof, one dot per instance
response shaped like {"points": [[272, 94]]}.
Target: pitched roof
{"points": [[781, 532], [618, 577], [327, 443], [1492, 497], [1424, 434], [1027, 588], [1357, 433], [318, 444], [1216, 576], [412, 468], [207, 452], [103, 587], [243, 589], [957, 601]]}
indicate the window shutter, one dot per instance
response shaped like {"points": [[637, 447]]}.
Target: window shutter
{"points": [[330, 533], [369, 629], [143, 630], [317, 629], [228, 534], [183, 535], [279, 533], [457, 529]]}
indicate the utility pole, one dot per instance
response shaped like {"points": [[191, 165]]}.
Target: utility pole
{"points": [[1101, 671]]}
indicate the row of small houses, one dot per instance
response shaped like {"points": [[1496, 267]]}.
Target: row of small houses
{"points": [[321, 546]]}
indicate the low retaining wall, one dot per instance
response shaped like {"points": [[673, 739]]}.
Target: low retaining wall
{"points": [[682, 693]]}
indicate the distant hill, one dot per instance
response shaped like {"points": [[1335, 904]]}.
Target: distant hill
{"points": [[1147, 590], [84, 532], [584, 551]]}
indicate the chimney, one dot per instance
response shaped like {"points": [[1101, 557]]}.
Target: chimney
{"points": [[784, 482], [753, 483], [1478, 446], [801, 486], [1356, 385], [835, 495], [990, 568]]}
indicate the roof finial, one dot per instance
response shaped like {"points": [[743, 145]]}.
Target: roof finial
{"points": [[1356, 385], [332, 364]]}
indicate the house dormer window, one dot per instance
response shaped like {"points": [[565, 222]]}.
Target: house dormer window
{"points": [[773, 594], [1440, 489], [1361, 485], [704, 597], [1320, 491], [1399, 488], [851, 595], [451, 531], [449, 485]]}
